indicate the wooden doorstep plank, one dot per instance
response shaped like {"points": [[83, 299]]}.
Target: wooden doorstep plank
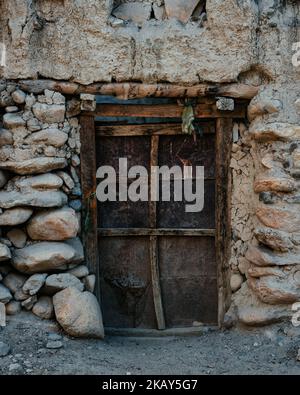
{"points": [[119, 232], [147, 130], [137, 332], [165, 111]]}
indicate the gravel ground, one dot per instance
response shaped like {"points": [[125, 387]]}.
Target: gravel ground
{"points": [[270, 350]]}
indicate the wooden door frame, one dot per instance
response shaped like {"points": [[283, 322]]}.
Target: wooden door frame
{"points": [[224, 127]]}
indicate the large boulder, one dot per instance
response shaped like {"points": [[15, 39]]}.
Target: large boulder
{"points": [[275, 239], [49, 113], [40, 182], [78, 313], [286, 219], [274, 131], [277, 290], [53, 137], [248, 309], [32, 198], [59, 224], [36, 165], [262, 256], [58, 282], [41, 257], [15, 216], [280, 183]]}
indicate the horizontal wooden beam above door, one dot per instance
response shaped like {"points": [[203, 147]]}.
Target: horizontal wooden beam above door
{"points": [[136, 90], [169, 129], [165, 111], [121, 232]]}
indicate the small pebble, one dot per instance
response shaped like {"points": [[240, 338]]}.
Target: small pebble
{"points": [[54, 345]]}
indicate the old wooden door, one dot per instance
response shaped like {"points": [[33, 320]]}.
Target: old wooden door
{"points": [[157, 262]]}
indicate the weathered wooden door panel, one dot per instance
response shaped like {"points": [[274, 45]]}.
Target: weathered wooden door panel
{"points": [[123, 215], [188, 280], [185, 150], [189, 301], [173, 214], [127, 299], [155, 279], [133, 148], [136, 150], [187, 256]]}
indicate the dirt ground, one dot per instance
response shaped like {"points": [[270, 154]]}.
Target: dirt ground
{"points": [[271, 350]]}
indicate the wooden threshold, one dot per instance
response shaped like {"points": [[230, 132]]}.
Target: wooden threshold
{"points": [[165, 111], [174, 332], [119, 232]]}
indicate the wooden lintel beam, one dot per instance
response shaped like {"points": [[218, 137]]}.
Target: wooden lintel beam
{"points": [[166, 111], [132, 90]]}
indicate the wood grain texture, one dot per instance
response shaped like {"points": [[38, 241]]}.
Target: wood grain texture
{"points": [[89, 184], [153, 245], [165, 111], [223, 221], [156, 289], [170, 129], [134, 90], [117, 232]]}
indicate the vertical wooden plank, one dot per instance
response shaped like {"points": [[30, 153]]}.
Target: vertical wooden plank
{"points": [[223, 213], [89, 184], [153, 162], [153, 245], [156, 283]]}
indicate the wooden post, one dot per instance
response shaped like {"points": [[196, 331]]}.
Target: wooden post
{"points": [[88, 183], [223, 212], [154, 246]]}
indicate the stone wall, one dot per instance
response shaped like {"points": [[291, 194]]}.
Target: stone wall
{"points": [[77, 41], [272, 258], [40, 211], [97, 41]]}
